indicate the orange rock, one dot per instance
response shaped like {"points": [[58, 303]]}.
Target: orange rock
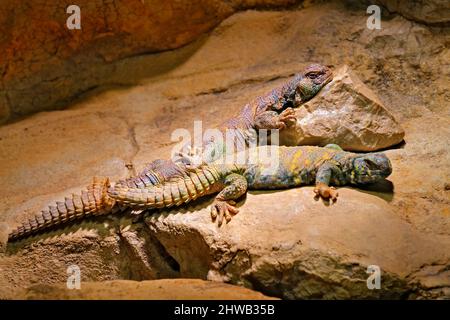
{"points": [[44, 64]]}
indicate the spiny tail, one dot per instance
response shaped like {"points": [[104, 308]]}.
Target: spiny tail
{"points": [[175, 192], [93, 201]]}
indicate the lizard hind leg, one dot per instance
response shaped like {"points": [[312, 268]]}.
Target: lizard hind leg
{"points": [[273, 120], [224, 204]]}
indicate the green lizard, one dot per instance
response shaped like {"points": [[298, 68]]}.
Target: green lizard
{"points": [[266, 167]]}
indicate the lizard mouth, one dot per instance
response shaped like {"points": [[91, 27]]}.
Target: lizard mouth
{"points": [[323, 79], [328, 79]]}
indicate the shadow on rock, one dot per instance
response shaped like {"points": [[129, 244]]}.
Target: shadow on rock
{"points": [[383, 189]]}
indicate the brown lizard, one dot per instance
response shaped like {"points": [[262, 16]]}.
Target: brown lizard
{"points": [[273, 110]]}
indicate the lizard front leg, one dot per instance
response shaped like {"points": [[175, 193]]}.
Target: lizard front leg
{"points": [[273, 120], [189, 157], [224, 204], [323, 178]]}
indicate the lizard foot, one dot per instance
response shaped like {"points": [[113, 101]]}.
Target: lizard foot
{"points": [[326, 192], [223, 209], [286, 117], [191, 161]]}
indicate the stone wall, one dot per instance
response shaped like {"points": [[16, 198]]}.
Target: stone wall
{"points": [[424, 11], [44, 65]]}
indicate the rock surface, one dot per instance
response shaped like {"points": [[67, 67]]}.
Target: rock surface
{"points": [[166, 289], [346, 112], [403, 227], [290, 246], [426, 11], [45, 65]]}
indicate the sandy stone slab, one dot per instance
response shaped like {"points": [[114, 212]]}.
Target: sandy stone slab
{"points": [[165, 289]]}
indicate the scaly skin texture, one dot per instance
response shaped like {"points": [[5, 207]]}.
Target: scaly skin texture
{"points": [[94, 201], [296, 166], [273, 110]]}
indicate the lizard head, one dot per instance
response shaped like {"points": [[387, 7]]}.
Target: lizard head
{"points": [[370, 168], [312, 79]]}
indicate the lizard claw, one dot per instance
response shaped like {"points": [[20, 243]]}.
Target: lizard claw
{"points": [[326, 192], [221, 209], [286, 117]]}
